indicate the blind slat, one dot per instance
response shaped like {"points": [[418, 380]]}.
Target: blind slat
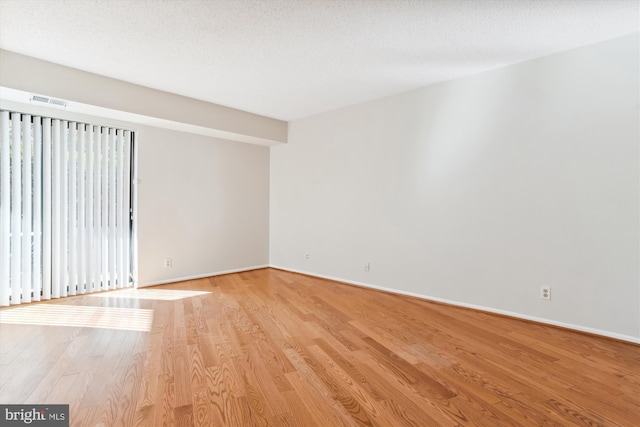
{"points": [[27, 220], [37, 208], [82, 210], [56, 214], [72, 207], [90, 238], [120, 211], [97, 200], [128, 208], [47, 268], [104, 209], [64, 203], [5, 212], [112, 209], [16, 210]]}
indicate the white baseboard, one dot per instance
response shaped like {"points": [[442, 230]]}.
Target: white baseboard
{"points": [[201, 276], [629, 338]]}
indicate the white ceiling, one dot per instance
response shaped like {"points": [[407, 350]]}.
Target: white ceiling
{"points": [[288, 59]]}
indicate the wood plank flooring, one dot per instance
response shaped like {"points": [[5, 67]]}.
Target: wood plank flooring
{"points": [[268, 347]]}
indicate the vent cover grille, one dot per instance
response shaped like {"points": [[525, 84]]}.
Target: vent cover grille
{"points": [[49, 101]]}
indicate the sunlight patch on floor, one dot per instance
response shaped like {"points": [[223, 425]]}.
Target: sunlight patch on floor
{"points": [[157, 294], [129, 319]]}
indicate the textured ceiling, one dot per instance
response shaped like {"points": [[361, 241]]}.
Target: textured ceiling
{"points": [[288, 59]]}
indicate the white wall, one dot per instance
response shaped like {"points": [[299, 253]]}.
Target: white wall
{"points": [[479, 190], [203, 202]]}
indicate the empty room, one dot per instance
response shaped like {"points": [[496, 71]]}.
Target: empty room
{"points": [[319, 213]]}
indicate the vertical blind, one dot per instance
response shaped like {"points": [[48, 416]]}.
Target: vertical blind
{"points": [[65, 208]]}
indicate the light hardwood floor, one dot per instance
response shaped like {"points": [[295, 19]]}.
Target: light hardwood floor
{"points": [[269, 347]]}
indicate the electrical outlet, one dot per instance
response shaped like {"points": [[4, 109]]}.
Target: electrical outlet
{"points": [[306, 256], [367, 267], [545, 293], [168, 262]]}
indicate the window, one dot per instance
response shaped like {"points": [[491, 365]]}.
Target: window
{"points": [[65, 208]]}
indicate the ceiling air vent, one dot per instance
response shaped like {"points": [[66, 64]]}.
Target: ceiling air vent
{"points": [[49, 101]]}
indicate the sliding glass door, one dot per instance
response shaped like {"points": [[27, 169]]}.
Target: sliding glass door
{"points": [[65, 208]]}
